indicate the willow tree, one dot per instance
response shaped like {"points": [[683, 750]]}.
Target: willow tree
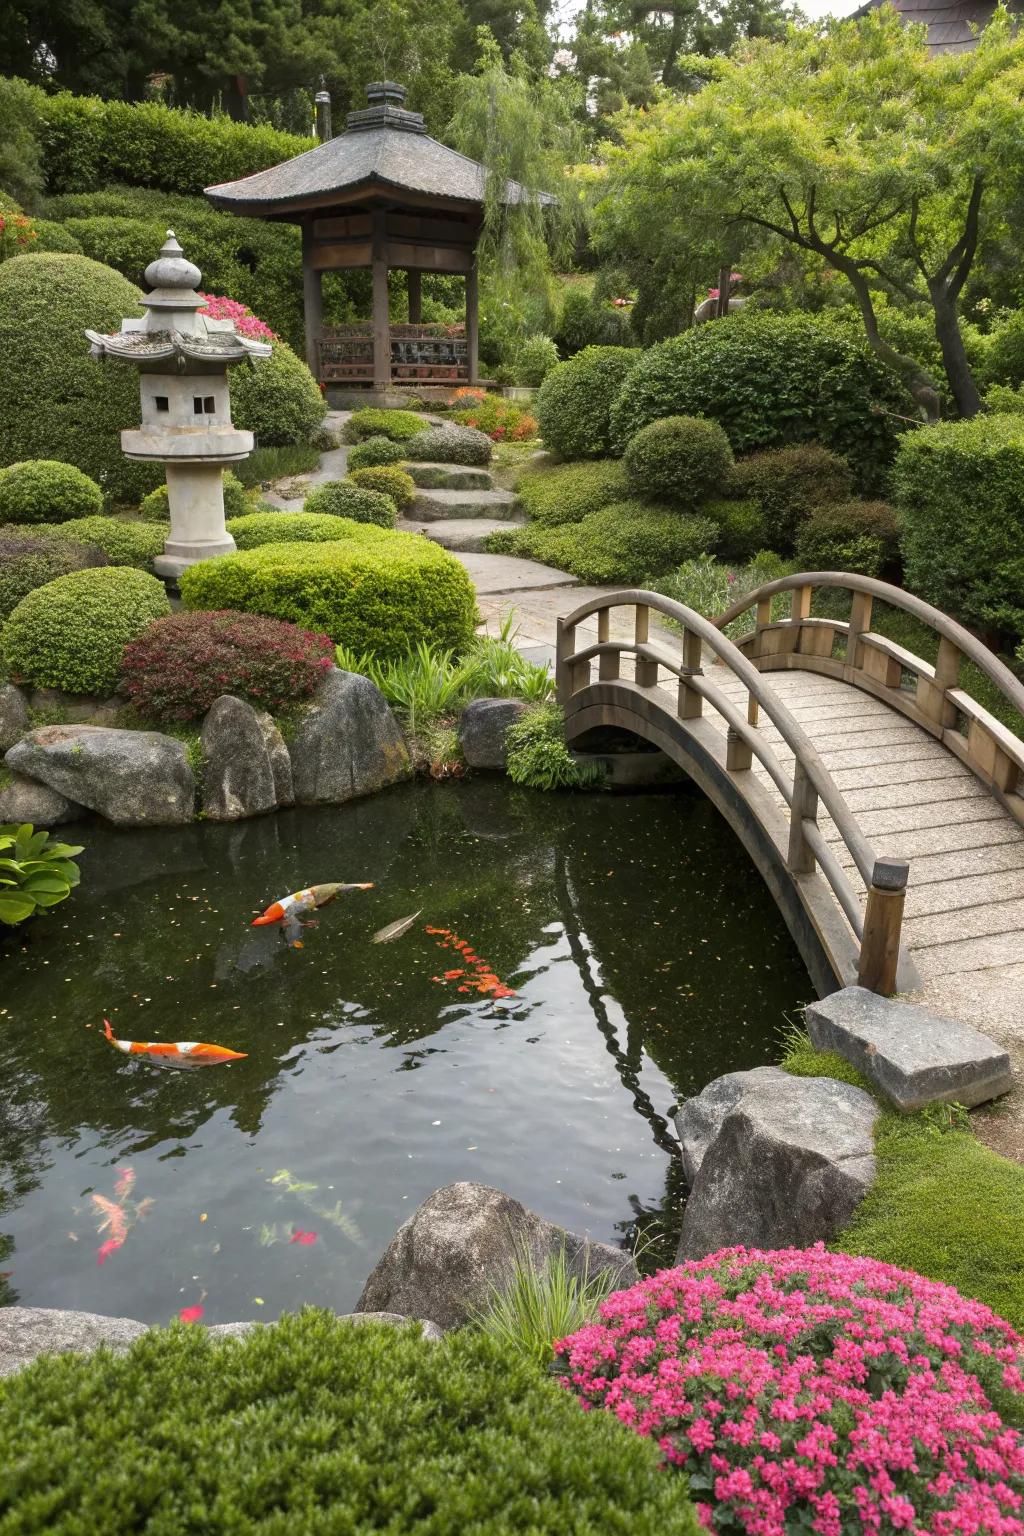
{"points": [[852, 144]]}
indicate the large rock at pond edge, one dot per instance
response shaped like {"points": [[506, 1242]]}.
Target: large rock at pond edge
{"points": [[14, 716], [133, 778], [24, 800], [785, 1160], [482, 728], [280, 761], [347, 744], [28, 1332], [464, 1239], [238, 778]]}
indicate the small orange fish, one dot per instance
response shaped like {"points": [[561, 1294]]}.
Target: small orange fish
{"points": [[180, 1053]]}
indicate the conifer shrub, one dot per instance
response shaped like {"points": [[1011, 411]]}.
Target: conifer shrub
{"points": [[340, 498], [373, 421], [179, 665], [857, 536], [373, 451], [389, 480], [450, 444], [258, 528], [277, 399], [680, 459], [46, 491], [627, 541], [27, 563], [566, 493], [787, 483], [70, 634], [575, 401], [154, 507], [319, 1426], [373, 590]]}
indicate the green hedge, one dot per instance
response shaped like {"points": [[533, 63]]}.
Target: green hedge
{"points": [[625, 542], [375, 451], [56, 401], [1004, 359], [681, 459], [566, 493], [324, 1428], [770, 379], [574, 404], [960, 491], [154, 507], [70, 633], [123, 542], [788, 483], [742, 527], [372, 591], [51, 236], [27, 563], [340, 498], [859, 536], [398, 426], [47, 491], [389, 481], [277, 398], [258, 528]]}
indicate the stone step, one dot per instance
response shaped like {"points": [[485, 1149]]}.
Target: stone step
{"points": [[449, 477], [438, 506], [459, 533]]}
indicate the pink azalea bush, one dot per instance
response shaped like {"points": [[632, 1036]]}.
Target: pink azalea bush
{"points": [[246, 323], [811, 1391]]}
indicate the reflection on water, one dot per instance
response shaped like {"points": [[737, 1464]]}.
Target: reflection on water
{"points": [[645, 956]]}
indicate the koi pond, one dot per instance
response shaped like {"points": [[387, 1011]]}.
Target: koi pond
{"points": [[642, 953]]}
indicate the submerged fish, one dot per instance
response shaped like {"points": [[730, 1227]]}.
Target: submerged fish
{"points": [[292, 907], [179, 1053], [395, 930]]}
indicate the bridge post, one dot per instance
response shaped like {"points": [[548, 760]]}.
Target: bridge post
{"points": [[738, 753], [860, 621], [931, 692], [805, 804], [883, 922], [690, 705], [608, 665], [565, 644], [646, 671]]}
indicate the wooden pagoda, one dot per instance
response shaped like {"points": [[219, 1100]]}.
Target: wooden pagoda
{"points": [[381, 195]]}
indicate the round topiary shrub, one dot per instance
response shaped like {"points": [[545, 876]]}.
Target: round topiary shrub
{"points": [[47, 491], [788, 483], [56, 401], [398, 426], [450, 444], [70, 633], [372, 591], [373, 451], [683, 459], [536, 358], [259, 528], [805, 1390], [237, 501], [340, 498], [178, 666], [858, 536], [27, 563], [574, 402], [389, 481], [277, 399], [317, 1426], [123, 542]]}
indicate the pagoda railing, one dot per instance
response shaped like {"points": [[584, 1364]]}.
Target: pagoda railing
{"points": [[430, 353]]}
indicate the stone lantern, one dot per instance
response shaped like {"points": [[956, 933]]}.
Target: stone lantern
{"points": [[183, 359]]}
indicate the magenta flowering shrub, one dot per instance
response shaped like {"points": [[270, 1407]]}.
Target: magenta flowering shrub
{"points": [[810, 1391], [246, 323]]}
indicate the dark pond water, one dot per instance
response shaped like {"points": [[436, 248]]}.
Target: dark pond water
{"points": [[645, 955]]}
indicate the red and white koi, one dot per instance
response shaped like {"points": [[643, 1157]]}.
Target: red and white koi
{"points": [[291, 908], [178, 1053]]}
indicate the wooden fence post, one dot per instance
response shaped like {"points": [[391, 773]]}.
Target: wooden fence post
{"points": [[883, 921]]}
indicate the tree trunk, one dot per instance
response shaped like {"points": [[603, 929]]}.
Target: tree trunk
{"points": [[954, 356], [919, 382]]}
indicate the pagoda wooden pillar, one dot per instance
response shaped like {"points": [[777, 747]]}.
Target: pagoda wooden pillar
{"points": [[415, 295], [381, 329], [473, 323], [312, 300]]}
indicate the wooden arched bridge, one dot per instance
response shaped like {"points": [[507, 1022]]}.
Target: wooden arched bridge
{"points": [[882, 803]]}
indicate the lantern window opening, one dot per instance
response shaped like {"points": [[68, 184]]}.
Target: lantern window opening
{"points": [[161, 402]]}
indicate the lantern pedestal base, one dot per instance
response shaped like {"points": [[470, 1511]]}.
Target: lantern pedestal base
{"points": [[178, 555]]}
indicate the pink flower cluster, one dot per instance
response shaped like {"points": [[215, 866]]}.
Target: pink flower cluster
{"points": [[246, 323], [805, 1390]]}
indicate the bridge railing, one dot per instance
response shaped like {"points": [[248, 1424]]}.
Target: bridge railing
{"points": [[929, 693], [806, 786]]}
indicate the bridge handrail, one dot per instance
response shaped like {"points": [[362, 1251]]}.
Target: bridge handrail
{"points": [[811, 781]]}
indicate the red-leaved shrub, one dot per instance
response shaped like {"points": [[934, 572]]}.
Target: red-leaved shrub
{"points": [[180, 665]]}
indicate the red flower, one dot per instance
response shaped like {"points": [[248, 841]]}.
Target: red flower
{"points": [[192, 1314], [306, 1239]]}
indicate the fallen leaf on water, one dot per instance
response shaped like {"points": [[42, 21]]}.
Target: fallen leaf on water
{"points": [[258, 1301], [395, 930], [192, 1314], [202, 1216], [307, 1239]]}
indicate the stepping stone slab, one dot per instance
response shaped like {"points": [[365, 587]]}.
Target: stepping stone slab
{"points": [[433, 506], [449, 477], [778, 1161], [492, 575], [461, 534], [913, 1056]]}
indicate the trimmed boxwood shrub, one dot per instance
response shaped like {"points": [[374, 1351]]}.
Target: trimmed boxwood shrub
{"points": [[682, 459], [626, 542], [1004, 357], [237, 502], [787, 483], [769, 379], [258, 528], [960, 492], [859, 536], [373, 451], [340, 498], [450, 444], [70, 633], [56, 401], [398, 426], [47, 491], [277, 399], [565, 493], [372, 591], [574, 403], [179, 665], [51, 236], [389, 481], [27, 563], [123, 542], [742, 527], [321, 1427]]}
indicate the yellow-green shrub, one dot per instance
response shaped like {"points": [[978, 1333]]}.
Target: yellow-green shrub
{"points": [[566, 493], [70, 634], [259, 528], [389, 481], [46, 491]]}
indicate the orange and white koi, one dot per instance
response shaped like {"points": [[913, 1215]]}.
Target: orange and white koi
{"points": [[179, 1053], [291, 908]]}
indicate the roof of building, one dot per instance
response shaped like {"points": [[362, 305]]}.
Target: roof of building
{"points": [[383, 144], [953, 25]]}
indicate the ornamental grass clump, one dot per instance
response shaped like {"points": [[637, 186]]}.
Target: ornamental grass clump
{"points": [[805, 1390], [179, 665]]}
